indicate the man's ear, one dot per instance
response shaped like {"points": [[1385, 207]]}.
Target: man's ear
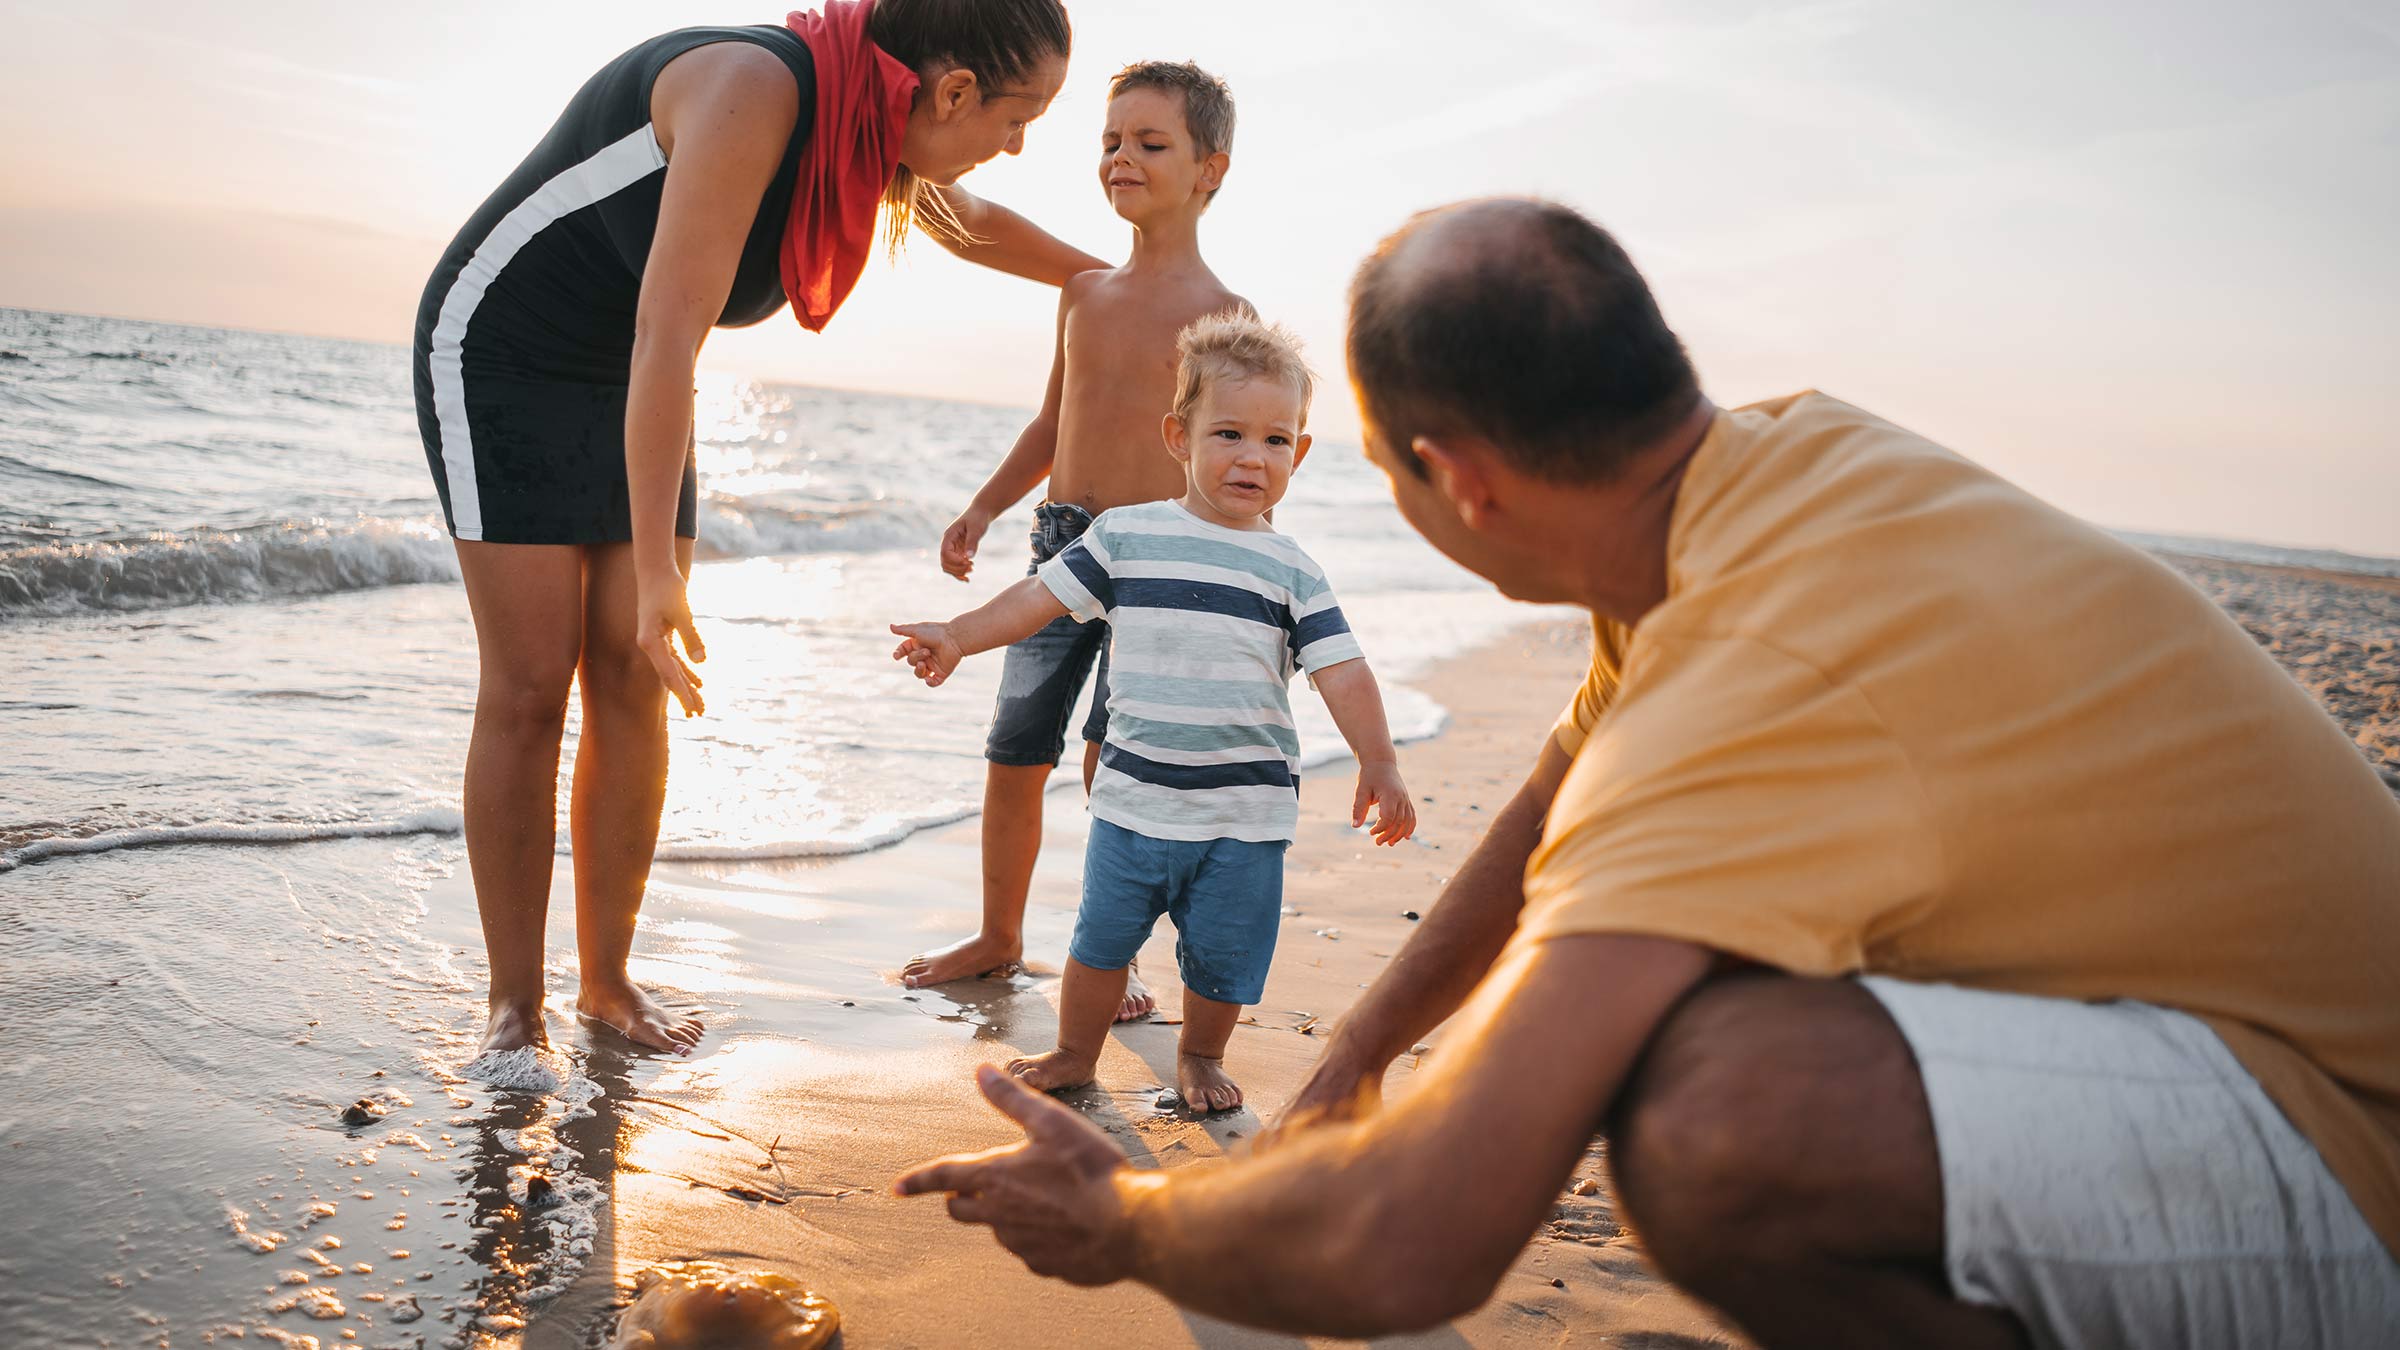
{"points": [[953, 93], [1172, 429], [1461, 471], [1212, 171], [1300, 448]]}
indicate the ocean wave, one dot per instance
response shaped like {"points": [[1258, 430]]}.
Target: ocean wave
{"points": [[439, 820], [162, 570], [744, 527], [297, 558], [448, 820]]}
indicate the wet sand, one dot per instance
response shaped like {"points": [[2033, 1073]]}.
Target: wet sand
{"points": [[776, 1147], [821, 1079]]}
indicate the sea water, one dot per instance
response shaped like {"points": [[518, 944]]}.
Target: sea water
{"points": [[236, 680]]}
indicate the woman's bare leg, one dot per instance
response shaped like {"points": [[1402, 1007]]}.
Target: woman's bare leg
{"points": [[620, 789], [527, 600]]}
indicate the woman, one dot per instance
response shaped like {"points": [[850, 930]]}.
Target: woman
{"points": [[699, 179]]}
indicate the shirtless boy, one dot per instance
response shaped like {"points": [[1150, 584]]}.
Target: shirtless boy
{"points": [[1164, 151]]}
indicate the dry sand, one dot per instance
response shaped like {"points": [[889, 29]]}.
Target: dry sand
{"points": [[822, 1079]]}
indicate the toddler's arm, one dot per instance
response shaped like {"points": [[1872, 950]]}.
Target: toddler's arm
{"points": [[1021, 470], [933, 650], [1356, 703]]}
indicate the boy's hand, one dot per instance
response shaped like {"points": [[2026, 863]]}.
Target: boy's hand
{"points": [[1395, 813], [960, 541], [929, 650]]}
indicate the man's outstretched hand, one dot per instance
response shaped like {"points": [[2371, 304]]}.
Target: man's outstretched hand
{"points": [[1052, 1200]]}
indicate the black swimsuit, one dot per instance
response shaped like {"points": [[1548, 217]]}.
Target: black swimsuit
{"points": [[524, 344]]}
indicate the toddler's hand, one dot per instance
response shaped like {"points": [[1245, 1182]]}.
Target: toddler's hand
{"points": [[1379, 786], [929, 650]]}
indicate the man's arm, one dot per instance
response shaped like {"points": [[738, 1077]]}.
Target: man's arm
{"points": [[1001, 239], [1393, 1223], [1443, 960], [1020, 471]]}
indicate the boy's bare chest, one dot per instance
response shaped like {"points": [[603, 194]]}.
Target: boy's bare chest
{"points": [[1131, 336]]}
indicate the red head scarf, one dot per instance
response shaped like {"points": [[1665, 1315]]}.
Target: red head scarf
{"points": [[862, 109]]}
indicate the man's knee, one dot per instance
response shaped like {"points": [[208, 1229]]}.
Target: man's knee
{"points": [[1714, 1144]]}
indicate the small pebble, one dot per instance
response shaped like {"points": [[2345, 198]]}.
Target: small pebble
{"points": [[1409, 914]]}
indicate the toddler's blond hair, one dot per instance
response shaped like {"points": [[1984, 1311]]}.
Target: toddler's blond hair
{"points": [[1236, 346]]}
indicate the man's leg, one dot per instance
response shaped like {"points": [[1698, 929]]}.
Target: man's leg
{"points": [[1775, 1152]]}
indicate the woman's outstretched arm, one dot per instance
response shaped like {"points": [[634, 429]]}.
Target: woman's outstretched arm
{"points": [[724, 114], [1007, 242]]}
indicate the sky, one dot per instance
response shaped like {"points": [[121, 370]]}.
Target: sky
{"points": [[2136, 256]]}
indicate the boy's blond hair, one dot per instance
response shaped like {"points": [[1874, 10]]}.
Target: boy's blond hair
{"points": [[1236, 346], [1207, 103]]}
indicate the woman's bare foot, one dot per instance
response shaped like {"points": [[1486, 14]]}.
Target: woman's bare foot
{"points": [[1203, 1084], [513, 1025], [1138, 1001], [1054, 1072], [965, 959], [627, 1008]]}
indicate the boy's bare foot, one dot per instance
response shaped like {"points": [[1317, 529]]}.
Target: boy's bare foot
{"points": [[513, 1026], [1203, 1084], [1055, 1071], [1138, 1001], [625, 1007], [962, 960]]}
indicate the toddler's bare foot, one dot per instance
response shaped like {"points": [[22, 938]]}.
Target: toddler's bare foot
{"points": [[1203, 1083], [627, 1008], [1138, 1001], [513, 1025], [982, 954], [1055, 1071]]}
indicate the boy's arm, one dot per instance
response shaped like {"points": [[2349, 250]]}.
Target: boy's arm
{"points": [[1356, 703], [1022, 469], [1001, 239], [935, 649]]}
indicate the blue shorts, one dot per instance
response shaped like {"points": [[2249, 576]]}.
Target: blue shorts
{"points": [[1224, 895], [1041, 675]]}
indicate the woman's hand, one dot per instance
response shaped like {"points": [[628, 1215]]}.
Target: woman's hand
{"points": [[960, 541], [664, 615], [929, 649], [1379, 786]]}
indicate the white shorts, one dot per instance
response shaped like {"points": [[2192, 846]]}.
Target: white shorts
{"points": [[2112, 1176]]}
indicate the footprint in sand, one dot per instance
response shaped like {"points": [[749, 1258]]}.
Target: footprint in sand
{"points": [[696, 1305]]}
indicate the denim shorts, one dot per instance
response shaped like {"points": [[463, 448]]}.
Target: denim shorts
{"points": [[1041, 676], [1225, 897]]}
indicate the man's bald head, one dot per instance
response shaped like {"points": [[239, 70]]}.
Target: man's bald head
{"points": [[1520, 323]]}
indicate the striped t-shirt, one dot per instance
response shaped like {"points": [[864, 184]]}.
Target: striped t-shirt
{"points": [[1206, 625]]}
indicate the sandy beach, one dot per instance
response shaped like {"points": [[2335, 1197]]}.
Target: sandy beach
{"points": [[774, 1149], [186, 1109]]}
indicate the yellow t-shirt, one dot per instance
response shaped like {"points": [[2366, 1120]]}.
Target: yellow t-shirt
{"points": [[1897, 716], [1599, 687]]}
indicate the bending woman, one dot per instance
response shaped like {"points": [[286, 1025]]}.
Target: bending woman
{"points": [[700, 179]]}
